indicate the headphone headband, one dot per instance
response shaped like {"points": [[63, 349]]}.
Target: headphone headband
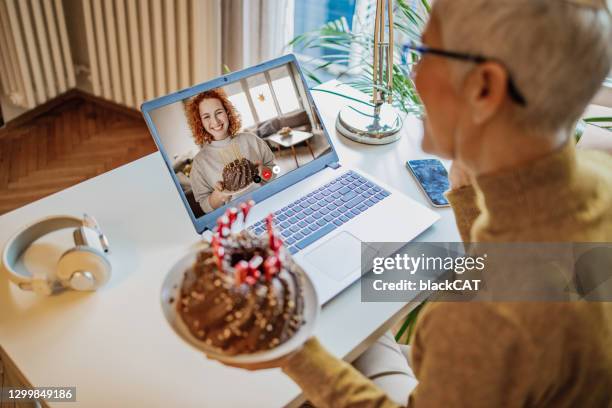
{"points": [[21, 240]]}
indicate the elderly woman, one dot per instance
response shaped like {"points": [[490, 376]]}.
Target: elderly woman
{"points": [[503, 83]]}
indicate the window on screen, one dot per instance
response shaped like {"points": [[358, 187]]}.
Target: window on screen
{"points": [[284, 88], [261, 96], [242, 104]]}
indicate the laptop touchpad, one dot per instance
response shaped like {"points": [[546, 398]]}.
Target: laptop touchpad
{"points": [[338, 257]]}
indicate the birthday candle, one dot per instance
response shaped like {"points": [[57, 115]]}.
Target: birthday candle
{"points": [[217, 244], [245, 208], [254, 264], [270, 228], [225, 225], [279, 263], [221, 224], [219, 255], [276, 244], [271, 267], [241, 271], [231, 214]]}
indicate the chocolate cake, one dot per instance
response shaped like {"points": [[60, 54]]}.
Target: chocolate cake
{"points": [[242, 295], [238, 174]]}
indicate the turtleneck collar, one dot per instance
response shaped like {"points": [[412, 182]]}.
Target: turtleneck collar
{"points": [[221, 143], [533, 193]]}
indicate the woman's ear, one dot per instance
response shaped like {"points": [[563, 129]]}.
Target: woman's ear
{"points": [[485, 88]]}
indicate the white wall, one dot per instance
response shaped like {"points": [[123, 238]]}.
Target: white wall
{"points": [[174, 131], [604, 97]]}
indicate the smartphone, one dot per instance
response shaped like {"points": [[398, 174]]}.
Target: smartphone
{"points": [[432, 177]]}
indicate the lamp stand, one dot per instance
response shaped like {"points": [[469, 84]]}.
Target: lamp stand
{"points": [[378, 123]]}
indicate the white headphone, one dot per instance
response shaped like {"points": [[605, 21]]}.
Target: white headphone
{"points": [[83, 267]]}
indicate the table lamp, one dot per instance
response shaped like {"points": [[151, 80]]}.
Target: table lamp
{"points": [[378, 123]]}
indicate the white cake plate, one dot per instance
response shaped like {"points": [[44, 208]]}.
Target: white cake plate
{"points": [[237, 192], [170, 291]]}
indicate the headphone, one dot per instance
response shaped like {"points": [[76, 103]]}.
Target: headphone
{"points": [[84, 267]]}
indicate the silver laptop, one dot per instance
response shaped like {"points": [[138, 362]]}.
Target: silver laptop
{"points": [[257, 134]]}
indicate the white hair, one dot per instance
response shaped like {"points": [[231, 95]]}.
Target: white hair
{"points": [[558, 52]]}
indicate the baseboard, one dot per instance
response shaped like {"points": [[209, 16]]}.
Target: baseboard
{"points": [[66, 97], [39, 111]]}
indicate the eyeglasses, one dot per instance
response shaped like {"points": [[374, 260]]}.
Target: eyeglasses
{"points": [[513, 91]]}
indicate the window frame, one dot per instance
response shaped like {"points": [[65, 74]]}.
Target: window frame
{"points": [[246, 90]]}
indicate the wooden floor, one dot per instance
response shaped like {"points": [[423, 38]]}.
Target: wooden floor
{"points": [[74, 141]]}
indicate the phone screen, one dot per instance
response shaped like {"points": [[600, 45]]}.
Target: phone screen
{"points": [[433, 178]]}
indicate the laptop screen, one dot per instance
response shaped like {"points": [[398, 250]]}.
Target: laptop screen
{"points": [[225, 142]]}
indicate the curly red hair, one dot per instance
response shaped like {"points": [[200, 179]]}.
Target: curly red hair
{"points": [[192, 110]]}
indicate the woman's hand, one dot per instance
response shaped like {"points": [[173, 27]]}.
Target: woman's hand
{"points": [[458, 176], [277, 363], [218, 198], [280, 362]]}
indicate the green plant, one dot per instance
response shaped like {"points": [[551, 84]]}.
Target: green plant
{"points": [[602, 122], [336, 37], [404, 334]]}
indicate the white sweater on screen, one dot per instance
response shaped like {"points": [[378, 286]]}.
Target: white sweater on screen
{"points": [[208, 164]]}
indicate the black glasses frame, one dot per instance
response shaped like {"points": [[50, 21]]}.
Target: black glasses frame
{"points": [[513, 91]]}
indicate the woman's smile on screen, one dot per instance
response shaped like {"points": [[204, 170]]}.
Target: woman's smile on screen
{"points": [[214, 118]]}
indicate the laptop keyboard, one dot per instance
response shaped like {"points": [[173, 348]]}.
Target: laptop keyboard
{"points": [[315, 215]]}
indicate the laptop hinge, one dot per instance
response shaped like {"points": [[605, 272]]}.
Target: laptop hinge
{"points": [[334, 165]]}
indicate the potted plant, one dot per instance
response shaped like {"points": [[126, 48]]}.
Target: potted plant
{"points": [[339, 40]]}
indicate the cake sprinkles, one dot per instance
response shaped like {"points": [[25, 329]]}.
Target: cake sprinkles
{"points": [[244, 294], [238, 174]]}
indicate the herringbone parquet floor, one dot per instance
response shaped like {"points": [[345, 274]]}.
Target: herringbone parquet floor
{"points": [[69, 144]]}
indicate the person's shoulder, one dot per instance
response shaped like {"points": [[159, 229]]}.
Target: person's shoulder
{"points": [[201, 154], [453, 328], [599, 155], [595, 173], [249, 138], [246, 135], [529, 318], [508, 311], [471, 310], [454, 317], [596, 159]]}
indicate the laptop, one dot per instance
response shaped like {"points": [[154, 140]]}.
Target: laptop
{"points": [[326, 212]]}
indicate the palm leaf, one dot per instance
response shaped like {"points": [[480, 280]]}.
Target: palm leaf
{"points": [[598, 119], [336, 38]]}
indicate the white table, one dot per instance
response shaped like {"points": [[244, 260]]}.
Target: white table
{"points": [[291, 140], [115, 346]]}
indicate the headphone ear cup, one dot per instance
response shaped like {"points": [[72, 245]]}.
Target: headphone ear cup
{"points": [[84, 259]]}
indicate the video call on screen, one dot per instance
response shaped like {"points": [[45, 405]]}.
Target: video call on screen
{"points": [[229, 141]]}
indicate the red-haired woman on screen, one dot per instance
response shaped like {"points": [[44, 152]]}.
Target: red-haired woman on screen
{"points": [[216, 125]]}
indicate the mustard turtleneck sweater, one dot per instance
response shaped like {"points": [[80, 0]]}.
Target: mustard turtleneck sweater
{"points": [[502, 354]]}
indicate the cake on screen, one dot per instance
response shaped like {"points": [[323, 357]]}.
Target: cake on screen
{"points": [[244, 294], [238, 174]]}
